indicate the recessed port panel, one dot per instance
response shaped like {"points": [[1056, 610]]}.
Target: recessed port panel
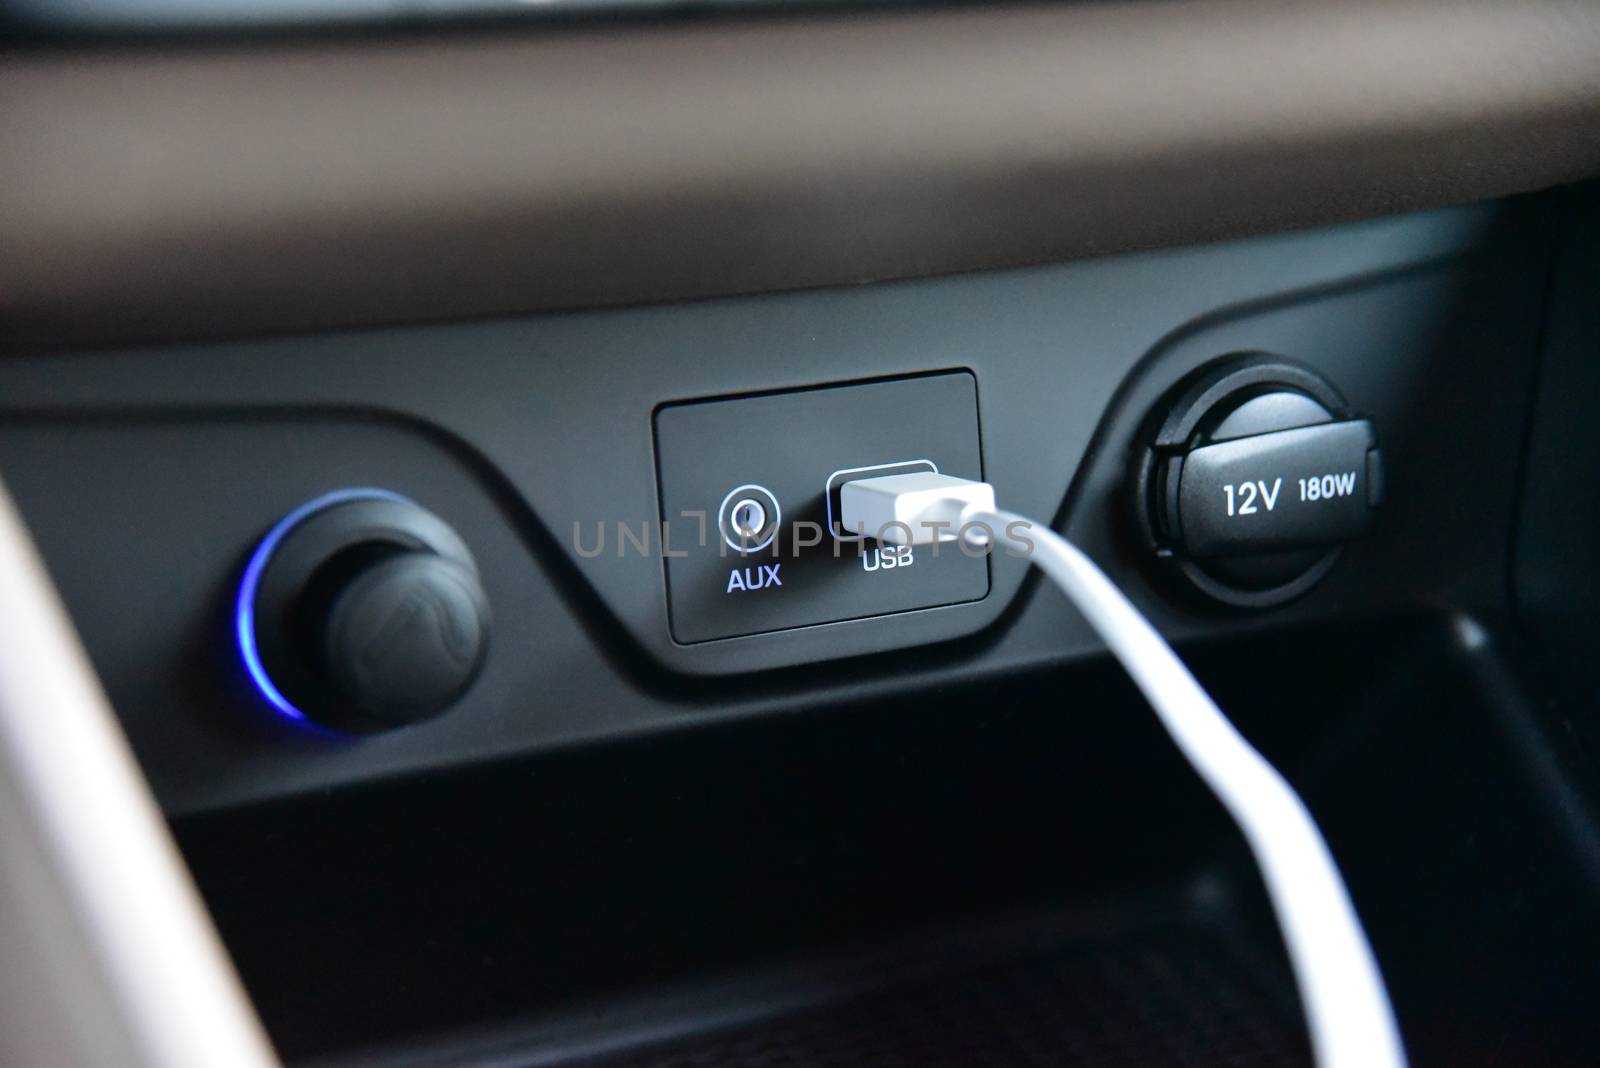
{"points": [[794, 450]]}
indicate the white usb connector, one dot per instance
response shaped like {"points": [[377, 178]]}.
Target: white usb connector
{"points": [[1346, 1004], [918, 508]]}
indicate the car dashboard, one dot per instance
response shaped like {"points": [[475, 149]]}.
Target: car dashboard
{"points": [[440, 429]]}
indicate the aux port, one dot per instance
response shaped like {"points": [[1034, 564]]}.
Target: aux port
{"points": [[748, 518]]}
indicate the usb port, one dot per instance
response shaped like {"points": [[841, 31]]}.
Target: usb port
{"points": [[836, 482]]}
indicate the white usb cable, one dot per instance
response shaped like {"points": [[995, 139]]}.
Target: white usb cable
{"points": [[1346, 1005]]}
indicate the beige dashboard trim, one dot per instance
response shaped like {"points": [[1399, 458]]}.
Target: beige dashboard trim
{"points": [[159, 190], [110, 959]]}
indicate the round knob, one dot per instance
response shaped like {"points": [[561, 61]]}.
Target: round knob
{"points": [[362, 610]]}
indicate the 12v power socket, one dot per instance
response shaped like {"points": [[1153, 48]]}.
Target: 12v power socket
{"points": [[1255, 475]]}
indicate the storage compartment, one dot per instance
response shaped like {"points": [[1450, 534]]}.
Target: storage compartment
{"points": [[1028, 870]]}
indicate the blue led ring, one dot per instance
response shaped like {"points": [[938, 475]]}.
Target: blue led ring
{"points": [[244, 615]]}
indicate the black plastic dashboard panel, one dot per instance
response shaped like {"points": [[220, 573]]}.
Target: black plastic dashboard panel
{"points": [[790, 450], [518, 431], [294, 183]]}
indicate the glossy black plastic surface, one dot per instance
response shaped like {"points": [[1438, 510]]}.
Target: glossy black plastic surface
{"points": [[1277, 491]]}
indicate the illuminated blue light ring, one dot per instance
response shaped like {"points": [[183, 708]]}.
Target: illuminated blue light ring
{"points": [[244, 613]]}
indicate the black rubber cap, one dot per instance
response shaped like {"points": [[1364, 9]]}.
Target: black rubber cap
{"points": [[1260, 414], [406, 636], [369, 613]]}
